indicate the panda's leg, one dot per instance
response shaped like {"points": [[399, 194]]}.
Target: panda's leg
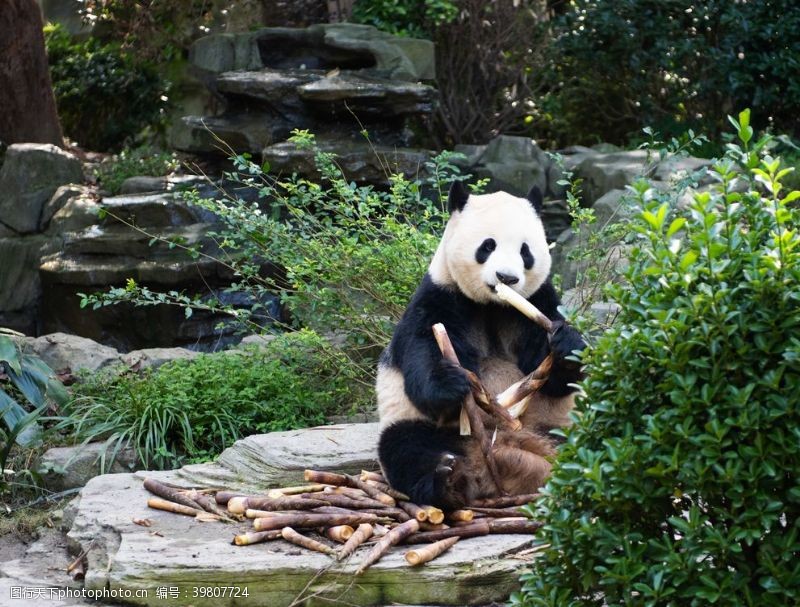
{"points": [[431, 464], [523, 460]]}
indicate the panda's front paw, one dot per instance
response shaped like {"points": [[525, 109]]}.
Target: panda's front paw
{"points": [[564, 341], [450, 482], [450, 384]]}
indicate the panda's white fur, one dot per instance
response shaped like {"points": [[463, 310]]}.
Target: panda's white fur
{"points": [[511, 222]]}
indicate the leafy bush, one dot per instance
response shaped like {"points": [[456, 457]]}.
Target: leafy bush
{"points": [[350, 257], [190, 410], [105, 97], [132, 162], [678, 484], [415, 18], [23, 378], [617, 66]]}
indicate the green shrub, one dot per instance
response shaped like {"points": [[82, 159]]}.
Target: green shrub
{"points": [[350, 256], [190, 410], [105, 97], [415, 18], [615, 67], [131, 162], [679, 484]]}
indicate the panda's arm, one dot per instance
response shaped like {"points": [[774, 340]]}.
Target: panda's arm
{"points": [[535, 346], [436, 387]]}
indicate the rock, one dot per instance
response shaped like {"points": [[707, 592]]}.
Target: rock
{"points": [[369, 95], [680, 167], [514, 164], [59, 199], [256, 340], [20, 285], [610, 207], [278, 88], [472, 154], [225, 52], [360, 162], [65, 468], [142, 184], [159, 210], [602, 173], [76, 214], [152, 358], [187, 554], [606, 148], [64, 351], [556, 218], [246, 132], [30, 175]]}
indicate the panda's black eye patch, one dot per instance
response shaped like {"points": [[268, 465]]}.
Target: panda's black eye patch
{"points": [[527, 256], [486, 248]]}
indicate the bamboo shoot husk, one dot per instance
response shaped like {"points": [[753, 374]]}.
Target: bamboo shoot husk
{"points": [[168, 493], [371, 491], [312, 520], [327, 478], [505, 501], [339, 533], [395, 536], [256, 537], [298, 539], [397, 495], [429, 552], [360, 535], [531, 383], [168, 506]]}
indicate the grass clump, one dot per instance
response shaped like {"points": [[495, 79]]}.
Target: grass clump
{"points": [[190, 410], [133, 162]]}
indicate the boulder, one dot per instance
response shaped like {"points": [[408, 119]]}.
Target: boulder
{"points": [[360, 161], [245, 132], [152, 358], [514, 165], [30, 175], [602, 173], [77, 214], [141, 184], [64, 351], [369, 95], [20, 286], [58, 201], [64, 468]]}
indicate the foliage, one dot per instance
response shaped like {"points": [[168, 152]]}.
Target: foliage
{"points": [[23, 378], [616, 66], [678, 484], [190, 410], [350, 256], [105, 96], [414, 18], [131, 162]]}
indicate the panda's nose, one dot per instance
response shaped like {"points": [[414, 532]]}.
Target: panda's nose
{"points": [[507, 279]]}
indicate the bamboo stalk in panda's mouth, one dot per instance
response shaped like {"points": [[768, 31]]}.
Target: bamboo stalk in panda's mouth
{"points": [[514, 299]]}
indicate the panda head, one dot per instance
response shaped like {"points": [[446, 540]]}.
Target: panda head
{"points": [[489, 239]]}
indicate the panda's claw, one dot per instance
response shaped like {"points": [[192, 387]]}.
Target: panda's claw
{"points": [[446, 465]]}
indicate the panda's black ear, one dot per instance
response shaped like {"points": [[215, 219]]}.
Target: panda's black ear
{"points": [[457, 197], [535, 198]]}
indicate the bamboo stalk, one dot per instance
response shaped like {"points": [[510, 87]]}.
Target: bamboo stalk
{"points": [[371, 491], [413, 510], [506, 501], [397, 495], [460, 516], [168, 506], [511, 297], [514, 525], [395, 535], [312, 520], [323, 477], [255, 537], [344, 501], [511, 511], [360, 535], [209, 504], [339, 533], [474, 529], [168, 493], [528, 385], [435, 515], [298, 539], [366, 475], [428, 526], [284, 491], [254, 513], [223, 497], [429, 552], [356, 494], [238, 505], [470, 407]]}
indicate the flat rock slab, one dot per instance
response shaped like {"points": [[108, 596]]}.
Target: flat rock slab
{"points": [[195, 563]]}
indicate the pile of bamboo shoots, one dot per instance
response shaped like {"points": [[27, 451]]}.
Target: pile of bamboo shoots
{"points": [[335, 514]]}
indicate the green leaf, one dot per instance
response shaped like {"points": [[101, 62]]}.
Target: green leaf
{"points": [[9, 353], [19, 422]]}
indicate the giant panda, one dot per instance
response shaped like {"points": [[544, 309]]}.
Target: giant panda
{"points": [[488, 239]]}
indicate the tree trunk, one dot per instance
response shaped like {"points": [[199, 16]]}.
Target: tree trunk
{"points": [[27, 106]]}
